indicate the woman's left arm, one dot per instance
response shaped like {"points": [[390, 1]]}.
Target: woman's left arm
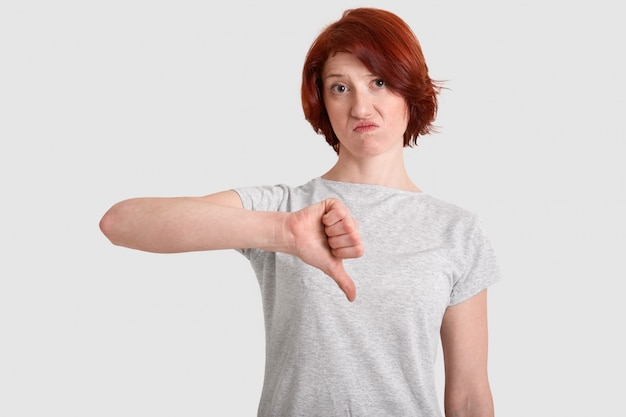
{"points": [[464, 343]]}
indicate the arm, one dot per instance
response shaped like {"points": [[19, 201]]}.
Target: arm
{"points": [[321, 235], [185, 224], [464, 343]]}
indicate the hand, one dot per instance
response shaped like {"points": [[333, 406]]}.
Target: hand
{"points": [[323, 235]]}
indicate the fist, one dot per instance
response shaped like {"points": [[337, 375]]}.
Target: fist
{"points": [[323, 235]]}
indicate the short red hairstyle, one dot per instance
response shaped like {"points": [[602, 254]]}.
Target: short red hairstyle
{"points": [[387, 46]]}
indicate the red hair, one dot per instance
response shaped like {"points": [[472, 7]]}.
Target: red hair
{"points": [[387, 46]]}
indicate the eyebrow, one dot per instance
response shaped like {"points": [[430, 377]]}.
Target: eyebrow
{"points": [[338, 75]]}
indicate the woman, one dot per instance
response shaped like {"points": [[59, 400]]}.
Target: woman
{"points": [[421, 266]]}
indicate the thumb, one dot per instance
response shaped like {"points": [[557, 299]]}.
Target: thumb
{"points": [[343, 280]]}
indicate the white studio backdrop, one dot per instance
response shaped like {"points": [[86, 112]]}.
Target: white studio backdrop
{"points": [[101, 101]]}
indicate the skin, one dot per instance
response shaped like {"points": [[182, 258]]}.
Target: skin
{"points": [[464, 342], [369, 120]]}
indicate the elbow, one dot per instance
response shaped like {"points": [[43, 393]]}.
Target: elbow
{"points": [[110, 224]]}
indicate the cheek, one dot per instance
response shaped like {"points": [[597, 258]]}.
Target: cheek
{"points": [[404, 120], [334, 111]]}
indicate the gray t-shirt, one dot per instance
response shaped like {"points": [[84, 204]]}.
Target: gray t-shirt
{"points": [[374, 357]]}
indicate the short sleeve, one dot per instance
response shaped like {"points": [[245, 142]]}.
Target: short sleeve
{"points": [[481, 268], [261, 198]]}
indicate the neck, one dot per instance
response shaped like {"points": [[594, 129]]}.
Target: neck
{"points": [[381, 170]]}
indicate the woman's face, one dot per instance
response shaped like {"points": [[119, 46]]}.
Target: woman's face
{"points": [[368, 118]]}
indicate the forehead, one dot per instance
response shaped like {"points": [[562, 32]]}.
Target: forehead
{"points": [[343, 63]]}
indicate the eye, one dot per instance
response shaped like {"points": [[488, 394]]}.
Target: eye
{"points": [[379, 83], [338, 88]]}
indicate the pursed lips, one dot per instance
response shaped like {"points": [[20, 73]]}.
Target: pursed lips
{"points": [[365, 127]]}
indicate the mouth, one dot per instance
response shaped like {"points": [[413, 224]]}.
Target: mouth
{"points": [[365, 127]]}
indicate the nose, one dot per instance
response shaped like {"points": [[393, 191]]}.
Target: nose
{"points": [[362, 104]]}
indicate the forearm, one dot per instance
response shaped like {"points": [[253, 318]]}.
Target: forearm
{"points": [[469, 405], [471, 412], [168, 225]]}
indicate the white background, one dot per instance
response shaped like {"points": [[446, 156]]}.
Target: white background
{"points": [[101, 101]]}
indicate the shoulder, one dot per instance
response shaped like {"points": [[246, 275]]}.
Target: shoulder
{"points": [[448, 213]]}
